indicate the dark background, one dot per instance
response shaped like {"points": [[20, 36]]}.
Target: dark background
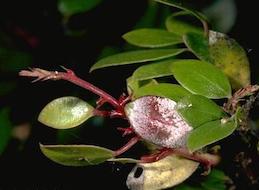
{"points": [[26, 167]]}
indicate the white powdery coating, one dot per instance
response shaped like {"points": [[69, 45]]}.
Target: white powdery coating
{"points": [[156, 120]]}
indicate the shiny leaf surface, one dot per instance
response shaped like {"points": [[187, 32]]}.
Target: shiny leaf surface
{"points": [[151, 38], [209, 133], [66, 112], [76, 155], [138, 56], [202, 78]]}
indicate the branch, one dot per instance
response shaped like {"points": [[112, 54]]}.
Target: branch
{"points": [[69, 75]]}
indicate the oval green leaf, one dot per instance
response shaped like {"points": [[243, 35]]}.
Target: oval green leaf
{"points": [[138, 56], [152, 38], [154, 70], [201, 78], [198, 45], [66, 112], [172, 91], [133, 84], [198, 110], [209, 133], [176, 26], [76, 155], [68, 7]]}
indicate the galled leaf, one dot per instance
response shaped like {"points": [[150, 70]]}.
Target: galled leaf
{"points": [[175, 25], [162, 174], [209, 133], [152, 38], [76, 155], [156, 120], [66, 112], [68, 7], [172, 91], [198, 110], [138, 56], [201, 78]]}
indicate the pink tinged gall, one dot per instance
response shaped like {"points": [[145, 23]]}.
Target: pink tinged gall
{"points": [[156, 120]]}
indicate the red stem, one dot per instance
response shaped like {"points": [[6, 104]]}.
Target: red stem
{"points": [[127, 146], [207, 160], [204, 158], [71, 77]]}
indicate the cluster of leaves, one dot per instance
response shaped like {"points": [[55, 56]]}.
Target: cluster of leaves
{"points": [[212, 76]]}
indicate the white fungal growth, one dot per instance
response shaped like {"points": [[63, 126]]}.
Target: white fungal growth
{"points": [[155, 119], [215, 36]]}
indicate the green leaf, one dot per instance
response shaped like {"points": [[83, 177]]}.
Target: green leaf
{"points": [[175, 25], [154, 70], [202, 78], [231, 58], [225, 53], [133, 84], [68, 7], [171, 91], [215, 181], [198, 110], [180, 5], [5, 129], [76, 155], [138, 56], [66, 112], [198, 45], [152, 38], [209, 133]]}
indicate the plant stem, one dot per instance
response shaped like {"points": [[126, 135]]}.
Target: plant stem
{"points": [[206, 159], [205, 28], [127, 146], [70, 76]]}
